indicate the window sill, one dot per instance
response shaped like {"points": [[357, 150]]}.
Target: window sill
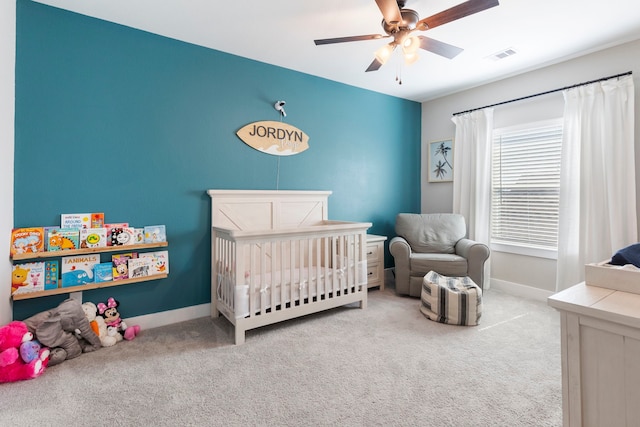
{"points": [[524, 250]]}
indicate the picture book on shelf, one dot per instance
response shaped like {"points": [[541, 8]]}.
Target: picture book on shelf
{"points": [[122, 236], [155, 234], [63, 239], [120, 264], [159, 261], [139, 267], [47, 233], [75, 220], [27, 277], [27, 240], [78, 269], [103, 272], [138, 236], [111, 227], [93, 237], [51, 273], [97, 220]]}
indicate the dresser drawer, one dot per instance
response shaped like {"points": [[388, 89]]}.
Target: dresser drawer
{"points": [[373, 253], [373, 274]]}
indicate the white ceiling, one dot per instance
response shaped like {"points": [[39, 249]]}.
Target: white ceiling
{"points": [[281, 32]]}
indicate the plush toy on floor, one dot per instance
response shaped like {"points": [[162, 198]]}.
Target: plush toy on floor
{"points": [[109, 312], [21, 358], [58, 329], [98, 325]]}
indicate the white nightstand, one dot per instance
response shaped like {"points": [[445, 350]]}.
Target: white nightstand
{"points": [[375, 261]]}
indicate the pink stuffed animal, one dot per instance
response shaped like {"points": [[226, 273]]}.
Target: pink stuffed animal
{"points": [[12, 366]]}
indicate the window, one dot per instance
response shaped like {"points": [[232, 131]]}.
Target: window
{"points": [[525, 188]]}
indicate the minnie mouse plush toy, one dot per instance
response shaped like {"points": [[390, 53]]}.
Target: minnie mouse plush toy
{"points": [[109, 312]]}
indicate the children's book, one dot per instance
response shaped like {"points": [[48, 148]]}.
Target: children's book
{"points": [[155, 234], [97, 220], [78, 269], [121, 236], [64, 239], [139, 267], [93, 237], [138, 236], [51, 274], [103, 272], [159, 261], [47, 233], [111, 227], [27, 240], [120, 264], [28, 277], [78, 221]]}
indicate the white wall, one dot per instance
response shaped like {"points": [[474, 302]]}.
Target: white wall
{"points": [[437, 124], [7, 107]]}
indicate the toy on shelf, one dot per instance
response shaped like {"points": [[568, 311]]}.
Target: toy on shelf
{"points": [[109, 311], [21, 358]]}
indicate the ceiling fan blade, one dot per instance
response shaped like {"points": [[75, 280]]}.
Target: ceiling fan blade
{"points": [[349, 39], [456, 12], [439, 48], [374, 66], [390, 11]]}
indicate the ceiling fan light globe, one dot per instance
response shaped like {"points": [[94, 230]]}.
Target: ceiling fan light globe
{"points": [[410, 45], [383, 54], [410, 58]]}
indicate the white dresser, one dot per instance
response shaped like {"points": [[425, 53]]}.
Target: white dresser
{"points": [[600, 341]]}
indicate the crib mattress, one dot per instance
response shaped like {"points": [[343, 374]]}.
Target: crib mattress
{"points": [[307, 283]]}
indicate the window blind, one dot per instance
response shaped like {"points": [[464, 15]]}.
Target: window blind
{"points": [[525, 185]]}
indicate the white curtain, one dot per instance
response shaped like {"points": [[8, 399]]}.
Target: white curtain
{"points": [[472, 174], [597, 182]]}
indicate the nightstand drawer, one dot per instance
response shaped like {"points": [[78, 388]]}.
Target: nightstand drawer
{"points": [[373, 251], [373, 274]]}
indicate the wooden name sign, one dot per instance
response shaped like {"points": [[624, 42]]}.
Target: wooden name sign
{"points": [[277, 138]]}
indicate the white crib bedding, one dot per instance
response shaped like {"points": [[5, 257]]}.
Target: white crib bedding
{"points": [[304, 282]]}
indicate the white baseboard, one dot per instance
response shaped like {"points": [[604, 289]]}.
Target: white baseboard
{"points": [[519, 290], [163, 318]]}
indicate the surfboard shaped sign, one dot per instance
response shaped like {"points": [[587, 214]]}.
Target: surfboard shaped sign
{"points": [[276, 138]]}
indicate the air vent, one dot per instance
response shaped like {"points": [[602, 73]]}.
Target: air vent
{"points": [[502, 54]]}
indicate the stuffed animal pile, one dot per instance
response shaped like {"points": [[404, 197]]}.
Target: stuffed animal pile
{"points": [[53, 336]]}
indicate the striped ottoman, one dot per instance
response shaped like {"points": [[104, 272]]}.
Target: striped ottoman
{"points": [[452, 300]]}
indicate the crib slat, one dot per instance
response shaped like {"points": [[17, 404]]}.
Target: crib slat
{"points": [[274, 289], [249, 277], [317, 268]]}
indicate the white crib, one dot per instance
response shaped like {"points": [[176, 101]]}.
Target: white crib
{"points": [[275, 256]]}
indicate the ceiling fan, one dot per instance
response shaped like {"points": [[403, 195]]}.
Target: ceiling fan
{"points": [[401, 23]]}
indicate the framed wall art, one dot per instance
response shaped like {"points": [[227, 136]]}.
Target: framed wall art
{"points": [[440, 161]]}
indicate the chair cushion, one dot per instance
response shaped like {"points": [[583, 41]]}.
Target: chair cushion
{"points": [[431, 233], [447, 264], [452, 300]]}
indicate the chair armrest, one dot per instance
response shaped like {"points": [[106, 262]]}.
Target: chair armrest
{"points": [[476, 254], [399, 248], [401, 251]]}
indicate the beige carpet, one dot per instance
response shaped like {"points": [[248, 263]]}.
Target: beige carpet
{"points": [[384, 366]]}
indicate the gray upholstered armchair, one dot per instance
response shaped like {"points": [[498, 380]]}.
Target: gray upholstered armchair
{"points": [[435, 242]]}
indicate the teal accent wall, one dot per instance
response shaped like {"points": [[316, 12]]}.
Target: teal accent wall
{"points": [[138, 126]]}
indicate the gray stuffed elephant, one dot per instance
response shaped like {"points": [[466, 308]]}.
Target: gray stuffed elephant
{"points": [[57, 329]]}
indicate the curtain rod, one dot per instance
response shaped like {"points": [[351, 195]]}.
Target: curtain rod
{"points": [[545, 93]]}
